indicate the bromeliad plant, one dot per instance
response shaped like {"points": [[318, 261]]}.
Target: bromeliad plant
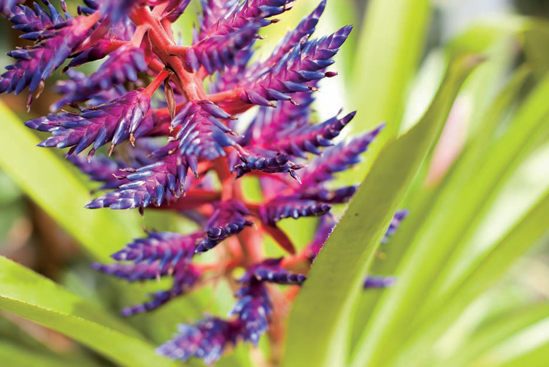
{"points": [[164, 109], [478, 202]]}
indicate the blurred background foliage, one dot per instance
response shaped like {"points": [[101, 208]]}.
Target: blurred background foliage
{"points": [[472, 259]]}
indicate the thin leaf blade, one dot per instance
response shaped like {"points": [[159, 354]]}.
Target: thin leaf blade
{"points": [[50, 183], [323, 307], [27, 294]]}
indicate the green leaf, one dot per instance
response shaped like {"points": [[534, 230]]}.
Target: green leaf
{"points": [[483, 340], [421, 199], [481, 275], [521, 237], [31, 296], [535, 36], [48, 180], [520, 340], [18, 282], [519, 193], [13, 355], [468, 197], [336, 276], [484, 120], [461, 205], [390, 47]]}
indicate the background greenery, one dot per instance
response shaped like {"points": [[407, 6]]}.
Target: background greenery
{"points": [[464, 89]]}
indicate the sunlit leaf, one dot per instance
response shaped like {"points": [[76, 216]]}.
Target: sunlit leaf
{"points": [[14, 356], [52, 185], [27, 294], [336, 275], [390, 47], [520, 340], [482, 274]]}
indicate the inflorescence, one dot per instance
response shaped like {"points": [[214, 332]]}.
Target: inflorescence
{"points": [[157, 110]]}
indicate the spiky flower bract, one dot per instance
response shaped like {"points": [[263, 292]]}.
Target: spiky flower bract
{"points": [[158, 126]]}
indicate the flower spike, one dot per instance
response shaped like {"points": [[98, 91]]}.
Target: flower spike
{"points": [[227, 220], [101, 169], [117, 9], [302, 32], [201, 133], [122, 65], [276, 210], [207, 340], [185, 277], [35, 22], [166, 247], [169, 108], [111, 122], [132, 272], [271, 271], [220, 42], [35, 64], [305, 63], [155, 184], [309, 139], [263, 161], [7, 6], [338, 158]]}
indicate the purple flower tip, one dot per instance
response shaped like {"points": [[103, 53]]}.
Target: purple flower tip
{"points": [[395, 223], [270, 271], [379, 282]]}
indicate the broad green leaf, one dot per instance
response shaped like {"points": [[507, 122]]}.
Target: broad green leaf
{"points": [[467, 199], [18, 282], [31, 296], [519, 193], [321, 313], [463, 201], [13, 331], [528, 231], [389, 49], [484, 122], [483, 119], [9, 192], [535, 36], [52, 185], [13, 355], [485, 341], [421, 199], [528, 345]]}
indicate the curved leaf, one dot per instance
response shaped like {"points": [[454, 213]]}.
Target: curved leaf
{"points": [[31, 296], [526, 232], [14, 356], [48, 180], [390, 47], [484, 341], [484, 120], [336, 275], [460, 205], [516, 342]]}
